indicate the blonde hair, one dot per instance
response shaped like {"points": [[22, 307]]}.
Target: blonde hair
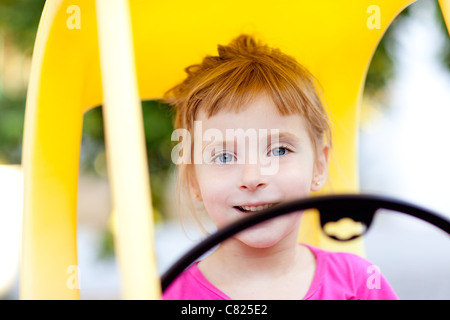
{"points": [[243, 70]]}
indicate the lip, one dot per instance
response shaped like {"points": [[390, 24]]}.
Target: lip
{"points": [[243, 213], [255, 204]]}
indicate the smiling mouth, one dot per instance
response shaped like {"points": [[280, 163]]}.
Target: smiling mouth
{"points": [[254, 208]]}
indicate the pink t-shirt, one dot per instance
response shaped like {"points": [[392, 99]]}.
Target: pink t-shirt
{"points": [[338, 276]]}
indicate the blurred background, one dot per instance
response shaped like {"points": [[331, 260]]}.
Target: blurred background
{"points": [[404, 152]]}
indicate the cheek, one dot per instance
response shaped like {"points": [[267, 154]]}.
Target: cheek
{"points": [[212, 183], [294, 182], [215, 191]]}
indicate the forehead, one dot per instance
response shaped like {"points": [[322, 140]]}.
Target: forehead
{"points": [[260, 113]]}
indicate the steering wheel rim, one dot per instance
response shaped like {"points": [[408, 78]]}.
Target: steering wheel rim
{"points": [[360, 208]]}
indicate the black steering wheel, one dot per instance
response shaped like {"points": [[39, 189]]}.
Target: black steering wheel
{"points": [[360, 208]]}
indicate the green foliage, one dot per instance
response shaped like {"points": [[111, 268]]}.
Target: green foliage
{"points": [[381, 68], [20, 18], [19, 21], [106, 250], [11, 129], [158, 127]]}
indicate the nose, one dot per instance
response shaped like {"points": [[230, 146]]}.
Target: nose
{"points": [[251, 178]]}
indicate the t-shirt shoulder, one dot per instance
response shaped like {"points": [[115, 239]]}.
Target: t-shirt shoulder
{"points": [[347, 276], [192, 285]]}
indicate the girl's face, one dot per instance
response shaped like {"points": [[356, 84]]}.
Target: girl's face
{"points": [[251, 160]]}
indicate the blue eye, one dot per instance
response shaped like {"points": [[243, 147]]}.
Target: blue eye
{"points": [[224, 158], [277, 152]]}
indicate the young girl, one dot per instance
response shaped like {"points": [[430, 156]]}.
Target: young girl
{"points": [[260, 137]]}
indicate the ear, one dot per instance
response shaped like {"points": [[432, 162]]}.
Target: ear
{"points": [[320, 171]]}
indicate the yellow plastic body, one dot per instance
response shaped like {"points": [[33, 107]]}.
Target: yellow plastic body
{"points": [[445, 8], [84, 56]]}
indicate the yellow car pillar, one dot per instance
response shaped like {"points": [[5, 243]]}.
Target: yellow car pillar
{"points": [[445, 9]]}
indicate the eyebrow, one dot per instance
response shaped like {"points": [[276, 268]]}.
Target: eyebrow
{"points": [[280, 135], [288, 135]]}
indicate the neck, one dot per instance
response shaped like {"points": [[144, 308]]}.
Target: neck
{"points": [[237, 258]]}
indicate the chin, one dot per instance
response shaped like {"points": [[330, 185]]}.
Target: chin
{"points": [[261, 236], [258, 244], [269, 233]]}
